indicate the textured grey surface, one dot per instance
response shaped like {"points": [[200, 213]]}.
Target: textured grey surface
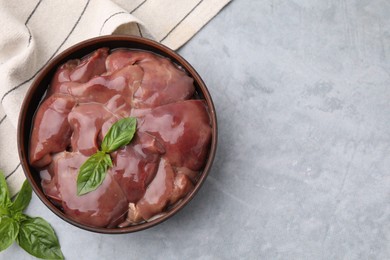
{"points": [[302, 171]]}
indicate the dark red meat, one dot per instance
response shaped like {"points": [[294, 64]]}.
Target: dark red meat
{"points": [[160, 165], [100, 208], [162, 83], [51, 131], [184, 130]]}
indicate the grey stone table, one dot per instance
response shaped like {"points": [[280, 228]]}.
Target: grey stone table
{"points": [[302, 91]]}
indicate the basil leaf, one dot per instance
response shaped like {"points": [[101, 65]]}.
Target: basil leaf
{"points": [[120, 134], [22, 199], [9, 229], [5, 200], [92, 172], [37, 237]]}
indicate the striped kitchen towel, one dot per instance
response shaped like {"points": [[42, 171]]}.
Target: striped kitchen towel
{"points": [[34, 31]]}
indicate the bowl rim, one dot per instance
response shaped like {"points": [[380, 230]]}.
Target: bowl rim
{"points": [[24, 133]]}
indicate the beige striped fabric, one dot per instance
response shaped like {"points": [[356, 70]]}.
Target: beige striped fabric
{"points": [[35, 31]]}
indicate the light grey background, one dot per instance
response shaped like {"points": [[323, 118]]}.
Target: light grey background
{"points": [[302, 92]]}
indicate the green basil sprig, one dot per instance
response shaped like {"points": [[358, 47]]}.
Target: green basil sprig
{"points": [[93, 171], [34, 235]]}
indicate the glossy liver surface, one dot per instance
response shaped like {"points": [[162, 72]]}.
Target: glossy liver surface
{"points": [[150, 174]]}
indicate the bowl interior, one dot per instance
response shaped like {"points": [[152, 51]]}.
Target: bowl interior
{"points": [[38, 89]]}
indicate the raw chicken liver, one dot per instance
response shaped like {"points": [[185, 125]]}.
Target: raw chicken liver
{"points": [[155, 170]]}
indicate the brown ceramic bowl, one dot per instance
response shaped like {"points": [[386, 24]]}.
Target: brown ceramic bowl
{"points": [[40, 85]]}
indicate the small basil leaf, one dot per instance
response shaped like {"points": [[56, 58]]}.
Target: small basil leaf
{"points": [[92, 172], [37, 237], [5, 200], [9, 229], [119, 134], [22, 199]]}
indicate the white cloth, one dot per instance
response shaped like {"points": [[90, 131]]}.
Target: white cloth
{"points": [[34, 31]]}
